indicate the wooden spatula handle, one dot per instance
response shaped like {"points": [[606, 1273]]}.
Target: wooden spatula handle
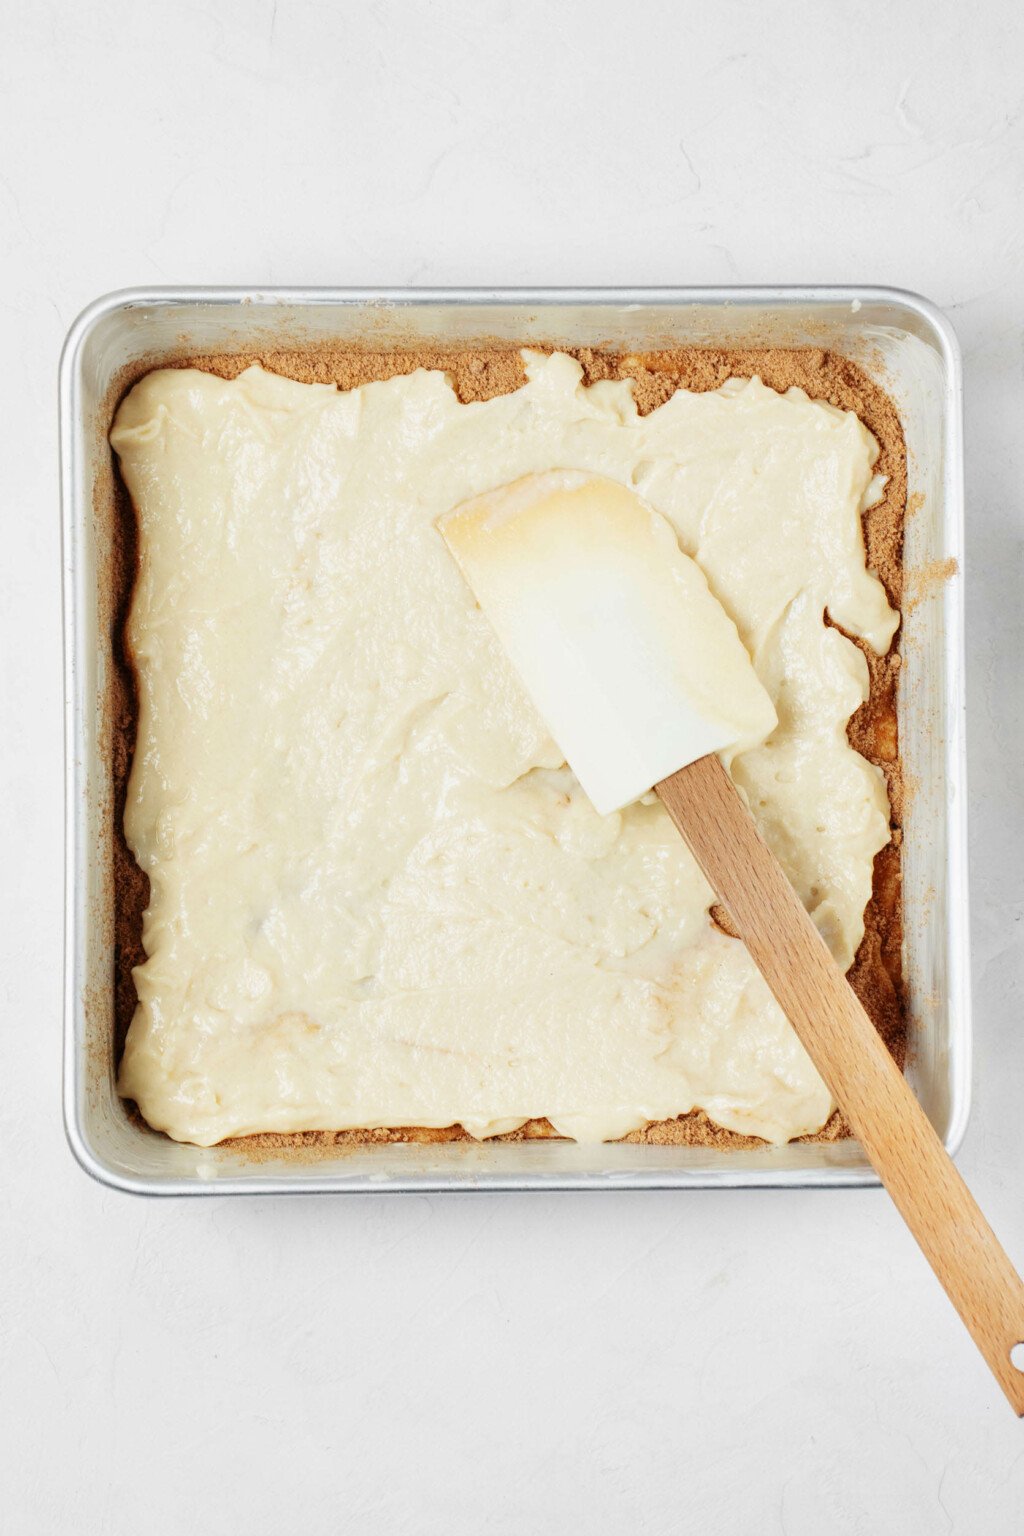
{"points": [[864, 1080]]}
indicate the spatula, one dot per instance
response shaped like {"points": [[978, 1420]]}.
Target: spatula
{"points": [[642, 679]]}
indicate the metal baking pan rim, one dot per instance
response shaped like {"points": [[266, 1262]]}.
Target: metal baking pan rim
{"points": [[75, 627]]}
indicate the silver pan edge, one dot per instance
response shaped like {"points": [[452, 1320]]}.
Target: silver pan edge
{"points": [[902, 340]]}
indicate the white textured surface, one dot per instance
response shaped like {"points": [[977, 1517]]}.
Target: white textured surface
{"points": [[737, 1363]]}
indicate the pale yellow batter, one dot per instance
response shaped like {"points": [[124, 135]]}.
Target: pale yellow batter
{"points": [[378, 896]]}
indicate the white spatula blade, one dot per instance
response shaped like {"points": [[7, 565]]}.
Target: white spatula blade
{"points": [[632, 663]]}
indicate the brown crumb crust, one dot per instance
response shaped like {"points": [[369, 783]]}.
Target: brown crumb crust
{"points": [[481, 372]]}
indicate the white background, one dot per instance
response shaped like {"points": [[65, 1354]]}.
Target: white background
{"points": [[730, 1363]]}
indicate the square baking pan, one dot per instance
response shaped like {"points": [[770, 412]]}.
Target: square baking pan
{"points": [[903, 343]]}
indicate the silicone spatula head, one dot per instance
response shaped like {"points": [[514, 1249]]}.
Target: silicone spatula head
{"points": [[633, 664]]}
